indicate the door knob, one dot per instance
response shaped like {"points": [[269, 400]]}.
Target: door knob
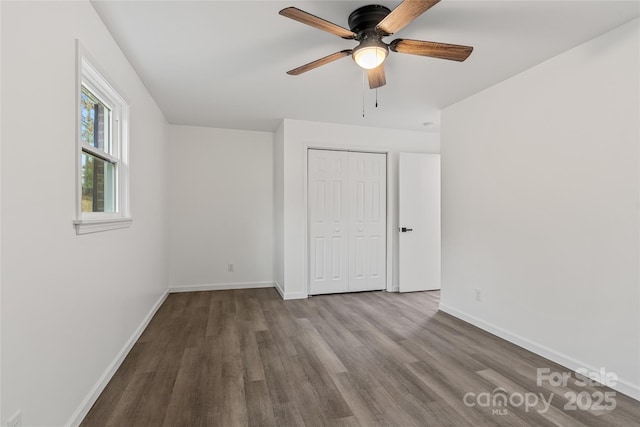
{"points": [[405, 229]]}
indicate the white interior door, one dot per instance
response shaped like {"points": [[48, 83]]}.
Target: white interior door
{"points": [[419, 221], [328, 221], [368, 219], [347, 221]]}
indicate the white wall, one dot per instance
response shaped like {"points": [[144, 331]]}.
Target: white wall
{"points": [[221, 210], [1, 418], [70, 303], [278, 211], [540, 207], [298, 137]]}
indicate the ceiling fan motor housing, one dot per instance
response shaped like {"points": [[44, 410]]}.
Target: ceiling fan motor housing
{"points": [[365, 18]]}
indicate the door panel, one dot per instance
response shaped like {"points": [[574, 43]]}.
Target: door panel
{"points": [[376, 249], [419, 195], [368, 180], [318, 251], [328, 221]]}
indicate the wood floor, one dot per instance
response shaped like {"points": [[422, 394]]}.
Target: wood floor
{"points": [[245, 357]]}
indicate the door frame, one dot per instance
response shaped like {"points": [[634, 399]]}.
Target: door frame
{"points": [[389, 234]]}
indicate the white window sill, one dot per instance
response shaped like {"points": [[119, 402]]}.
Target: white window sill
{"points": [[86, 226]]}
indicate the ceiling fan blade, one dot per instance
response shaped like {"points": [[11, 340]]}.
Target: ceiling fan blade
{"points": [[377, 77], [319, 62], [452, 52], [402, 15], [319, 23]]}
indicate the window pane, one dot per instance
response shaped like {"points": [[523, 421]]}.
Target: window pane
{"points": [[96, 122], [98, 184]]}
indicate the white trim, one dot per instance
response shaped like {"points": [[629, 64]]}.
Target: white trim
{"points": [[295, 295], [623, 386], [307, 251], [91, 76], [1, 382], [96, 225], [390, 229], [99, 387], [279, 288], [247, 285], [221, 287]]}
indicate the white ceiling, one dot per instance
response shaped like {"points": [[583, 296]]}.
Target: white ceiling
{"points": [[223, 63]]}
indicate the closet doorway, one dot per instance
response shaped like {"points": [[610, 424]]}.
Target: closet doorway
{"points": [[347, 205]]}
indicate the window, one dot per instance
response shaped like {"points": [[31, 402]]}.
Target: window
{"points": [[102, 147], [98, 165]]}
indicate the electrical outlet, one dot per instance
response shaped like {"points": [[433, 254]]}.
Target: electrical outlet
{"points": [[15, 420], [478, 295], [231, 268]]}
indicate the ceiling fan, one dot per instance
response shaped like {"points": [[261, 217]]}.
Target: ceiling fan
{"points": [[369, 25]]}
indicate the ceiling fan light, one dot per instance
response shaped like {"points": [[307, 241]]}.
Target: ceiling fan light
{"points": [[370, 56]]}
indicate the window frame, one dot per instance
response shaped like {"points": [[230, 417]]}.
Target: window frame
{"points": [[88, 75]]}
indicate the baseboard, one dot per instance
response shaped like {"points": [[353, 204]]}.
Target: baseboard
{"points": [[287, 296], [279, 288], [622, 385], [295, 295], [98, 388], [221, 287]]}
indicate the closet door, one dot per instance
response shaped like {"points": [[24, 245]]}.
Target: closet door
{"points": [[328, 221], [368, 219]]}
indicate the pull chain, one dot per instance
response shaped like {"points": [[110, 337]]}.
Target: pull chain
{"points": [[364, 91]]}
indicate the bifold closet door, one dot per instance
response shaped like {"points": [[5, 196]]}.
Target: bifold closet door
{"points": [[328, 221], [347, 221], [367, 221]]}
